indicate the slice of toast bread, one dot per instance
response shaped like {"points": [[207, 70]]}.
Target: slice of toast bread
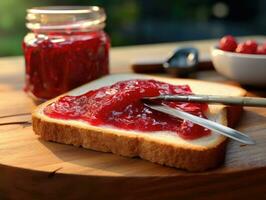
{"points": [[161, 147]]}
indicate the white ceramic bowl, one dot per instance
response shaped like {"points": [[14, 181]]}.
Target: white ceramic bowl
{"points": [[247, 69]]}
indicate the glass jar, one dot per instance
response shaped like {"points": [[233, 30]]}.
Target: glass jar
{"points": [[65, 48]]}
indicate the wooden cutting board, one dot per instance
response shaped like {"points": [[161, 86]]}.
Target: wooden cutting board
{"points": [[32, 168]]}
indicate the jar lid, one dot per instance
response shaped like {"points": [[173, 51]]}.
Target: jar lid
{"points": [[65, 17]]}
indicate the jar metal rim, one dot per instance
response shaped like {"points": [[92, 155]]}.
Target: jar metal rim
{"points": [[63, 9], [65, 17]]}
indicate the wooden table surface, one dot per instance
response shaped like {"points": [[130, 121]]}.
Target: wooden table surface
{"points": [[14, 178]]}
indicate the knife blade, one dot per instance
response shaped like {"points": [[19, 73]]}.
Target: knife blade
{"points": [[214, 126], [213, 99]]}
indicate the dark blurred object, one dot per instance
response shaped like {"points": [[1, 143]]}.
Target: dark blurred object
{"points": [[149, 65], [181, 63]]}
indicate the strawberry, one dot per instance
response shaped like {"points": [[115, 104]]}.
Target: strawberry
{"points": [[251, 45], [261, 49], [228, 43], [245, 48]]}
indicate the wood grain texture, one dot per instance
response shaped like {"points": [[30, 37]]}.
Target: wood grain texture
{"points": [[32, 168]]}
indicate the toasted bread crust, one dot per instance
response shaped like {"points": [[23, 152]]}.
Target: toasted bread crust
{"points": [[154, 151], [185, 156]]}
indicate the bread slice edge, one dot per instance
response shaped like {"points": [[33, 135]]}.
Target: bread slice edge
{"points": [[192, 156]]}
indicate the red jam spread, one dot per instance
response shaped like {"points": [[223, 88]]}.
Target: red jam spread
{"points": [[120, 105], [58, 62]]}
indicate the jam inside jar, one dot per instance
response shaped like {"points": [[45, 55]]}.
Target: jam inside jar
{"points": [[66, 48]]}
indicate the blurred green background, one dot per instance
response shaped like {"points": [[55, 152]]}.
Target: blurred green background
{"points": [[145, 21]]}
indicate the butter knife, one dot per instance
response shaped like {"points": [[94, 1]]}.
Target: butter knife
{"points": [[213, 99], [218, 128]]}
